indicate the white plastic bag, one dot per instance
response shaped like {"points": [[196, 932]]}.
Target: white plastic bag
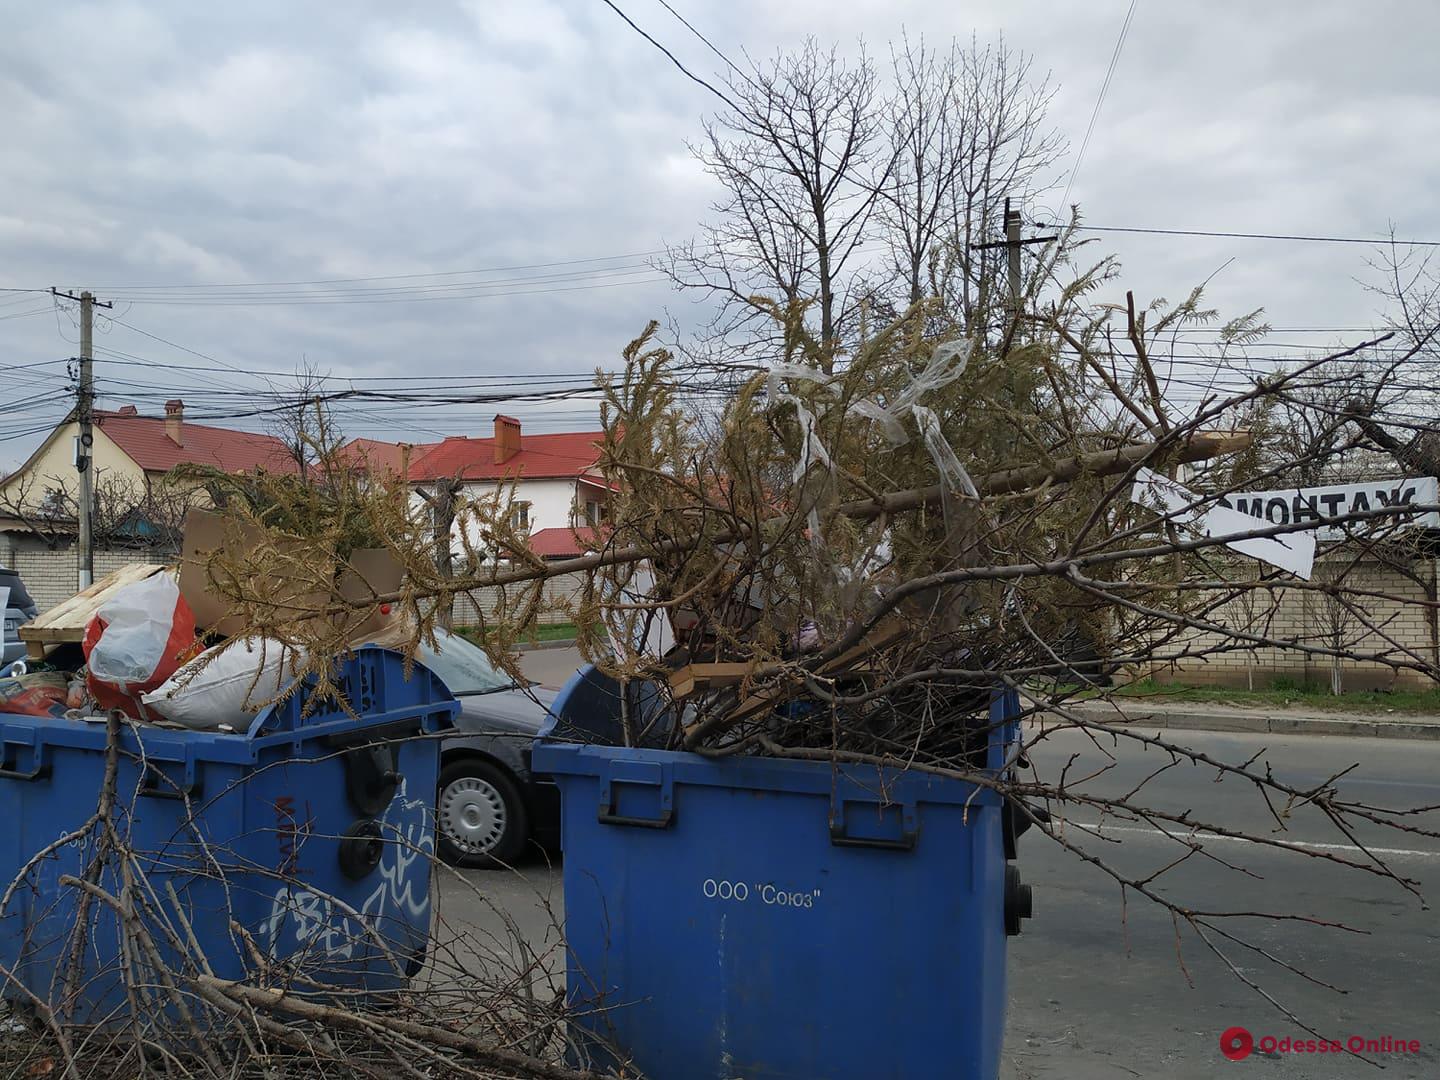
{"points": [[230, 689], [136, 640], [138, 623]]}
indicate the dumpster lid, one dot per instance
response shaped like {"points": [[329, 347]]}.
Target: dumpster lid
{"points": [[584, 738], [380, 700], [587, 710]]}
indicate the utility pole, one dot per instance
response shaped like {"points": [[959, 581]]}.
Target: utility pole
{"points": [[85, 416], [1012, 245]]}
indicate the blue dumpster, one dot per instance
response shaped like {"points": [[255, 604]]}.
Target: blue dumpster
{"points": [[764, 918], [310, 831]]}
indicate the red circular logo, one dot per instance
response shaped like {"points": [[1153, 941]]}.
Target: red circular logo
{"points": [[1236, 1043]]}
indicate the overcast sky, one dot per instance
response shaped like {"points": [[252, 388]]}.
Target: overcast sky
{"points": [[179, 144]]}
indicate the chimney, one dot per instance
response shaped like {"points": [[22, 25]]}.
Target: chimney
{"points": [[507, 438], [127, 410], [175, 421]]}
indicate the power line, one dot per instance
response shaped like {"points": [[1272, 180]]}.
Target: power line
{"points": [[708, 43], [683, 69], [29, 431], [391, 277], [136, 361], [27, 314], [1095, 115], [1259, 236], [172, 344], [33, 364], [635, 278]]}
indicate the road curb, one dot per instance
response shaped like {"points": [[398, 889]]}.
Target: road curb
{"points": [[1261, 723], [563, 643]]}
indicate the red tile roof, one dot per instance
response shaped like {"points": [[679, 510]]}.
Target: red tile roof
{"points": [[560, 543], [143, 438], [555, 456], [376, 455]]}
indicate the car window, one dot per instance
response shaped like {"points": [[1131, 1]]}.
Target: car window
{"points": [[462, 665]]}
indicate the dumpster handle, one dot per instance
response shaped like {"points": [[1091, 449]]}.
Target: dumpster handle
{"points": [[39, 772], [640, 775], [150, 785], [840, 835], [904, 842], [609, 817]]}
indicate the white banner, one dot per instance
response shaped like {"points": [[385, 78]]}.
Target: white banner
{"points": [[1336, 502], [1294, 552]]}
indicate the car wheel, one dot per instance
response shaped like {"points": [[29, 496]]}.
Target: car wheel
{"points": [[480, 819]]}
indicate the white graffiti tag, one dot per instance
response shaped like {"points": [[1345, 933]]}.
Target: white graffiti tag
{"points": [[312, 926], [302, 920], [408, 837]]}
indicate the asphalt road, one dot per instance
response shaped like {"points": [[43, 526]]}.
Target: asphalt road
{"points": [[1098, 990], [550, 667]]}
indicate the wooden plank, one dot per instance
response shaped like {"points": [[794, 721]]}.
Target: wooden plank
{"points": [[887, 633], [685, 681], [882, 636], [67, 621]]}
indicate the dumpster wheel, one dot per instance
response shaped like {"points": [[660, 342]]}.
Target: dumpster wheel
{"points": [[480, 817]]}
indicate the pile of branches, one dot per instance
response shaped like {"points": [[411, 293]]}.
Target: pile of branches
{"points": [[846, 561]]}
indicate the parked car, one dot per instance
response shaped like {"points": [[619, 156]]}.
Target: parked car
{"points": [[19, 609], [489, 807]]}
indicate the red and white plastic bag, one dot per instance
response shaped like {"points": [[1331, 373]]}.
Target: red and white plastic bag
{"points": [[136, 641]]}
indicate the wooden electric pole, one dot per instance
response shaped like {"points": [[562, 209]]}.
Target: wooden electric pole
{"points": [[1012, 245], [85, 417]]}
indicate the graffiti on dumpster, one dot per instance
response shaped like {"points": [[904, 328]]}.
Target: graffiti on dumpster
{"points": [[302, 920], [291, 833], [408, 838], [308, 920]]}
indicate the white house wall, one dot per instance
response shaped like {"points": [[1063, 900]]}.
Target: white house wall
{"points": [[551, 504]]}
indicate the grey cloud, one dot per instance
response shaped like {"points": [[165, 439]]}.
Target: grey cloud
{"points": [[174, 142]]}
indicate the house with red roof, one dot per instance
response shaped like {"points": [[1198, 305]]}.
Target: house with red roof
{"points": [[132, 453], [139, 450], [556, 476], [136, 451], [377, 456]]}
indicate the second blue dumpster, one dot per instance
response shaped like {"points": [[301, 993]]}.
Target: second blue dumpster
{"points": [[299, 845], [762, 918]]}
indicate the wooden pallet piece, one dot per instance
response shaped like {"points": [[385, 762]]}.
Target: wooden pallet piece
{"points": [[66, 622]]}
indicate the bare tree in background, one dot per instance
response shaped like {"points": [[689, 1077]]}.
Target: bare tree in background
{"points": [[1395, 406], [820, 158], [297, 422], [124, 513], [800, 158], [968, 128]]}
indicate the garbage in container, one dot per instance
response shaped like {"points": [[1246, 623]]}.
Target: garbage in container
{"points": [[753, 917], [226, 685], [136, 641], [309, 831], [38, 693]]}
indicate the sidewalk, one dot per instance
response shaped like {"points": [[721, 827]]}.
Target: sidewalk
{"points": [[1271, 720]]}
